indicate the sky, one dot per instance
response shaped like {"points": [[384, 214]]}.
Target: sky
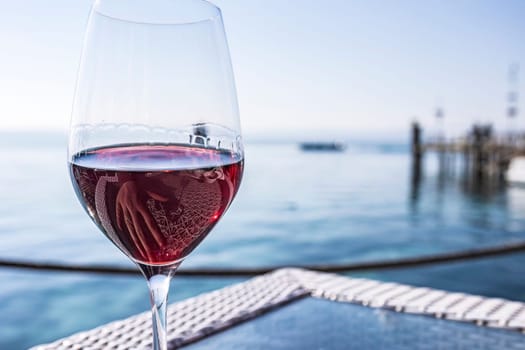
{"points": [[359, 67]]}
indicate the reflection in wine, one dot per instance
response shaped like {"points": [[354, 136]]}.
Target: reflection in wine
{"points": [[158, 216]]}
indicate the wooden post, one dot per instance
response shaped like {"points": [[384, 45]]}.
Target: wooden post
{"points": [[417, 152], [477, 150], [416, 140]]}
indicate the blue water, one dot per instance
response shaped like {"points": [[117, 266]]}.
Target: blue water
{"points": [[293, 208]]}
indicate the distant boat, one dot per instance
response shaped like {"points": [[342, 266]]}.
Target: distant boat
{"points": [[323, 146]]}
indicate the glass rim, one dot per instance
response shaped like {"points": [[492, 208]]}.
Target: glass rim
{"points": [[214, 14]]}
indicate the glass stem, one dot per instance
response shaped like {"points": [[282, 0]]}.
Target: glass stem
{"points": [[159, 286]]}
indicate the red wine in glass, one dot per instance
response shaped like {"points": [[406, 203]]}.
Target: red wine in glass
{"points": [[156, 202], [155, 145]]}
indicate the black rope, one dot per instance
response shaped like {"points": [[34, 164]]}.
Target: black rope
{"points": [[463, 255]]}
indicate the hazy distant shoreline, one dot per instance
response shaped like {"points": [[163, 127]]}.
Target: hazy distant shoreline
{"points": [[57, 139]]}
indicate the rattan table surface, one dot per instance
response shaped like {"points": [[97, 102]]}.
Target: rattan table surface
{"points": [[300, 309], [312, 323]]}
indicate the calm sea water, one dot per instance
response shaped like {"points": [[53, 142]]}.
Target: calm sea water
{"points": [[293, 208]]}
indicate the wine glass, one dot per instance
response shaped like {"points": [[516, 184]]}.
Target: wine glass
{"points": [[155, 151]]}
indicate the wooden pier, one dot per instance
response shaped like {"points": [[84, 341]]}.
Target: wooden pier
{"points": [[485, 155]]}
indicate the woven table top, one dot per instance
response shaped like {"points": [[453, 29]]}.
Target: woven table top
{"points": [[198, 317]]}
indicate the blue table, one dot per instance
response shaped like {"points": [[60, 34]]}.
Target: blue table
{"points": [[322, 324]]}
